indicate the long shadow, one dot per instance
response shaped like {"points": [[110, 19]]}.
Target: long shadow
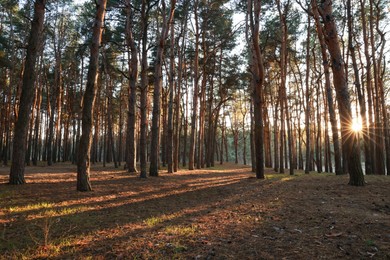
{"points": [[181, 200]]}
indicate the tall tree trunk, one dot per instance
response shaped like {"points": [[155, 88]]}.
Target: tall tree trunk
{"points": [[267, 138], [131, 141], [196, 91], [283, 94], [170, 102], [356, 177], [110, 132], [369, 131], [144, 90], [258, 86], [332, 113], [181, 67], [83, 162], [21, 126], [308, 94], [185, 119], [361, 99], [202, 102], [379, 157], [154, 146], [37, 124]]}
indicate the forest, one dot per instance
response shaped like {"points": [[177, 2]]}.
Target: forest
{"points": [[172, 85], [221, 94]]}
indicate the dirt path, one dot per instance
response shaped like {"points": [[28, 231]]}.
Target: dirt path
{"points": [[218, 213]]}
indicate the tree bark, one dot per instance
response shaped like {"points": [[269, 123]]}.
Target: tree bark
{"points": [[21, 126], [258, 87], [154, 146], [83, 162], [170, 102], [196, 91], [308, 94], [144, 90], [356, 177], [331, 110], [131, 141]]}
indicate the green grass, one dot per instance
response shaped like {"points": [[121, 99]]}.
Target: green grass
{"points": [[153, 221], [180, 230], [28, 207]]}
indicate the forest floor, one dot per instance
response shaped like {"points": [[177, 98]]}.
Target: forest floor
{"points": [[216, 213]]}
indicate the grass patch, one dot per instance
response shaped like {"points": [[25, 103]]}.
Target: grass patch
{"points": [[153, 221], [37, 206], [180, 230]]}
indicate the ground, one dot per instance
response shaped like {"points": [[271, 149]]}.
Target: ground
{"points": [[216, 213]]}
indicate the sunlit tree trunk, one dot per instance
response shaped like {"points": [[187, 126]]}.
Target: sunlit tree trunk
{"points": [[379, 157], [258, 75], [381, 63], [37, 126], [361, 99], [110, 133], [178, 114], [196, 91], [283, 95], [131, 140], [21, 126], [170, 101], [144, 90], [332, 113], [83, 162], [308, 94], [154, 146], [267, 138], [368, 130], [340, 84], [185, 121]]}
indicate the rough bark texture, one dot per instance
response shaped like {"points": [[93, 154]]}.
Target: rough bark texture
{"points": [[144, 91], [131, 159], [307, 111], [342, 95], [258, 88], [170, 102], [196, 90], [332, 112], [83, 163], [155, 141], [369, 131], [362, 102], [20, 135]]}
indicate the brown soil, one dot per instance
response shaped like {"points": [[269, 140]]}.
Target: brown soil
{"points": [[218, 213]]}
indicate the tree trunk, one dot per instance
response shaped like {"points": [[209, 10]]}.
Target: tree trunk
{"points": [[379, 157], [170, 102], [362, 102], [258, 87], [21, 126], [341, 86], [131, 141], [369, 130], [83, 162], [308, 94], [332, 113], [196, 91], [154, 146], [144, 91], [181, 67]]}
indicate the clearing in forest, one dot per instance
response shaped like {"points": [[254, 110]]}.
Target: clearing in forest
{"points": [[216, 213]]}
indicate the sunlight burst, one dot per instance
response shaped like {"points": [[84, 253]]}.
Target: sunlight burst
{"points": [[356, 125]]}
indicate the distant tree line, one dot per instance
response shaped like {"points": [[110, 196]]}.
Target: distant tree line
{"points": [[161, 84]]}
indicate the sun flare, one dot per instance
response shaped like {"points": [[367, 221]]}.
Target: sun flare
{"points": [[356, 125]]}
